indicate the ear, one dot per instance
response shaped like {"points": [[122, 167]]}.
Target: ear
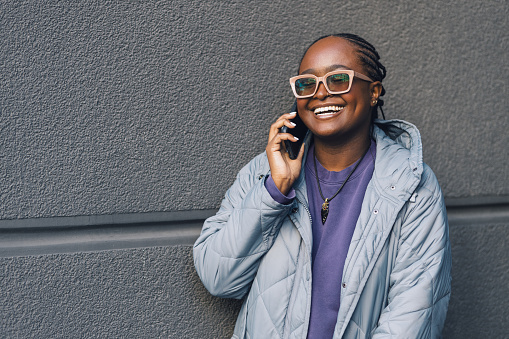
{"points": [[375, 89]]}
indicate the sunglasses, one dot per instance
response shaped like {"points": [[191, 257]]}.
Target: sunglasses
{"points": [[335, 82]]}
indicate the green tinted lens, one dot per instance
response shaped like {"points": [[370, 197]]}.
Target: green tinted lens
{"points": [[338, 82], [305, 86]]}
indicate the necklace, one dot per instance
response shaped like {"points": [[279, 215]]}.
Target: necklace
{"points": [[325, 205]]}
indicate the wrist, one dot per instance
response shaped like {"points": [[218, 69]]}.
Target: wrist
{"points": [[283, 185], [275, 193]]}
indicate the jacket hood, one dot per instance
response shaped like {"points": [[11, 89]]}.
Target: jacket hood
{"points": [[404, 134], [398, 164]]}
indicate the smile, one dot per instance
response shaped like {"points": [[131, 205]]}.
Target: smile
{"points": [[327, 110]]}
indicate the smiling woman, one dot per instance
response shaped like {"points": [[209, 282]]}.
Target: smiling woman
{"points": [[350, 238]]}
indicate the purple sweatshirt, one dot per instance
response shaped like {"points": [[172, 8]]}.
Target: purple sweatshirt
{"points": [[332, 240]]}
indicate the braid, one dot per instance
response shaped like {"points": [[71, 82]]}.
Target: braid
{"points": [[369, 57]]}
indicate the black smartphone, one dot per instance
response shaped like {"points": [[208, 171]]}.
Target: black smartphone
{"points": [[299, 131]]}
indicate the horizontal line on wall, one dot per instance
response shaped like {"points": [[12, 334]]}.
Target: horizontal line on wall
{"points": [[477, 201], [477, 210], [37, 236], [108, 219], [22, 237]]}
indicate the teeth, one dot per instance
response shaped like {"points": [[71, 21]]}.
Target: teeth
{"points": [[328, 109]]}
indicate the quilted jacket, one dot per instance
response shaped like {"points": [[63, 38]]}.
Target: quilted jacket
{"points": [[396, 279]]}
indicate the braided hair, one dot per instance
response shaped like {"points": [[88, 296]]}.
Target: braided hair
{"points": [[369, 57]]}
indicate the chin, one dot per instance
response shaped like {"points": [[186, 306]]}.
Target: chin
{"points": [[327, 135]]}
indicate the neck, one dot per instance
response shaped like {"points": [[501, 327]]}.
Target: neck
{"points": [[338, 156]]}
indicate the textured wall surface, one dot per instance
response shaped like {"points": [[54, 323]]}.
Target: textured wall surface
{"points": [[480, 272], [154, 106], [111, 108], [141, 293]]}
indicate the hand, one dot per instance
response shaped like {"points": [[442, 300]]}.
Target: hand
{"points": [[284, 171]]}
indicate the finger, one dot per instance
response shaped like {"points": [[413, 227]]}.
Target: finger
{"points": [[286, 116], [280, 123], [290, 115], [276, 143], [278, 138], [283, 120]]}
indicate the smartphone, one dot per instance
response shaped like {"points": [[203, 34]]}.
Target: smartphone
{"points": [[300, 130]]}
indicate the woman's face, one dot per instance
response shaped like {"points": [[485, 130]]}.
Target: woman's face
{"points": [[350, 115]]}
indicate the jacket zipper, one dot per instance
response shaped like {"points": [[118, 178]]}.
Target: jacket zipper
{"points": [[308, 309], [307, 210]]}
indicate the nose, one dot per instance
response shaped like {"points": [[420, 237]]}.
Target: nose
{"points": [[321, 92]]}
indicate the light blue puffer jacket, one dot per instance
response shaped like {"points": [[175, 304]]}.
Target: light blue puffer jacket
{"points": [[396, 279]]}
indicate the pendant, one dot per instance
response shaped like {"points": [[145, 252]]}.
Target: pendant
{"points": [[325, 211]]}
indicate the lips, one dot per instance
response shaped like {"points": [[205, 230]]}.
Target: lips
{"points": [[327, 110]]}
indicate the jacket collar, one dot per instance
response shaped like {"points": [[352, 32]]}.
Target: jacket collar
{"points": [[398, 162]]}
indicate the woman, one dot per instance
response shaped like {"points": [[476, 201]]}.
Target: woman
{"points": [[350, 239]]}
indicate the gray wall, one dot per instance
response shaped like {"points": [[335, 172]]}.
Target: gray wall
{"points": [[123, 124]]}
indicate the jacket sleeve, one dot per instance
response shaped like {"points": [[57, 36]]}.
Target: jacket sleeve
{"points": [[420, 282], [231, 244]]}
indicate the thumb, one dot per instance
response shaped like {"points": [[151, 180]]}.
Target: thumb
{"points": [[301, 152]]}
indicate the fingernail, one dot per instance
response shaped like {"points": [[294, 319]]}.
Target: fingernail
{"points": [[293, 124], [296, 138], [292, 113]]}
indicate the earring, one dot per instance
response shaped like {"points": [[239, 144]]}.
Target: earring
{"points": [[375, 102]]}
